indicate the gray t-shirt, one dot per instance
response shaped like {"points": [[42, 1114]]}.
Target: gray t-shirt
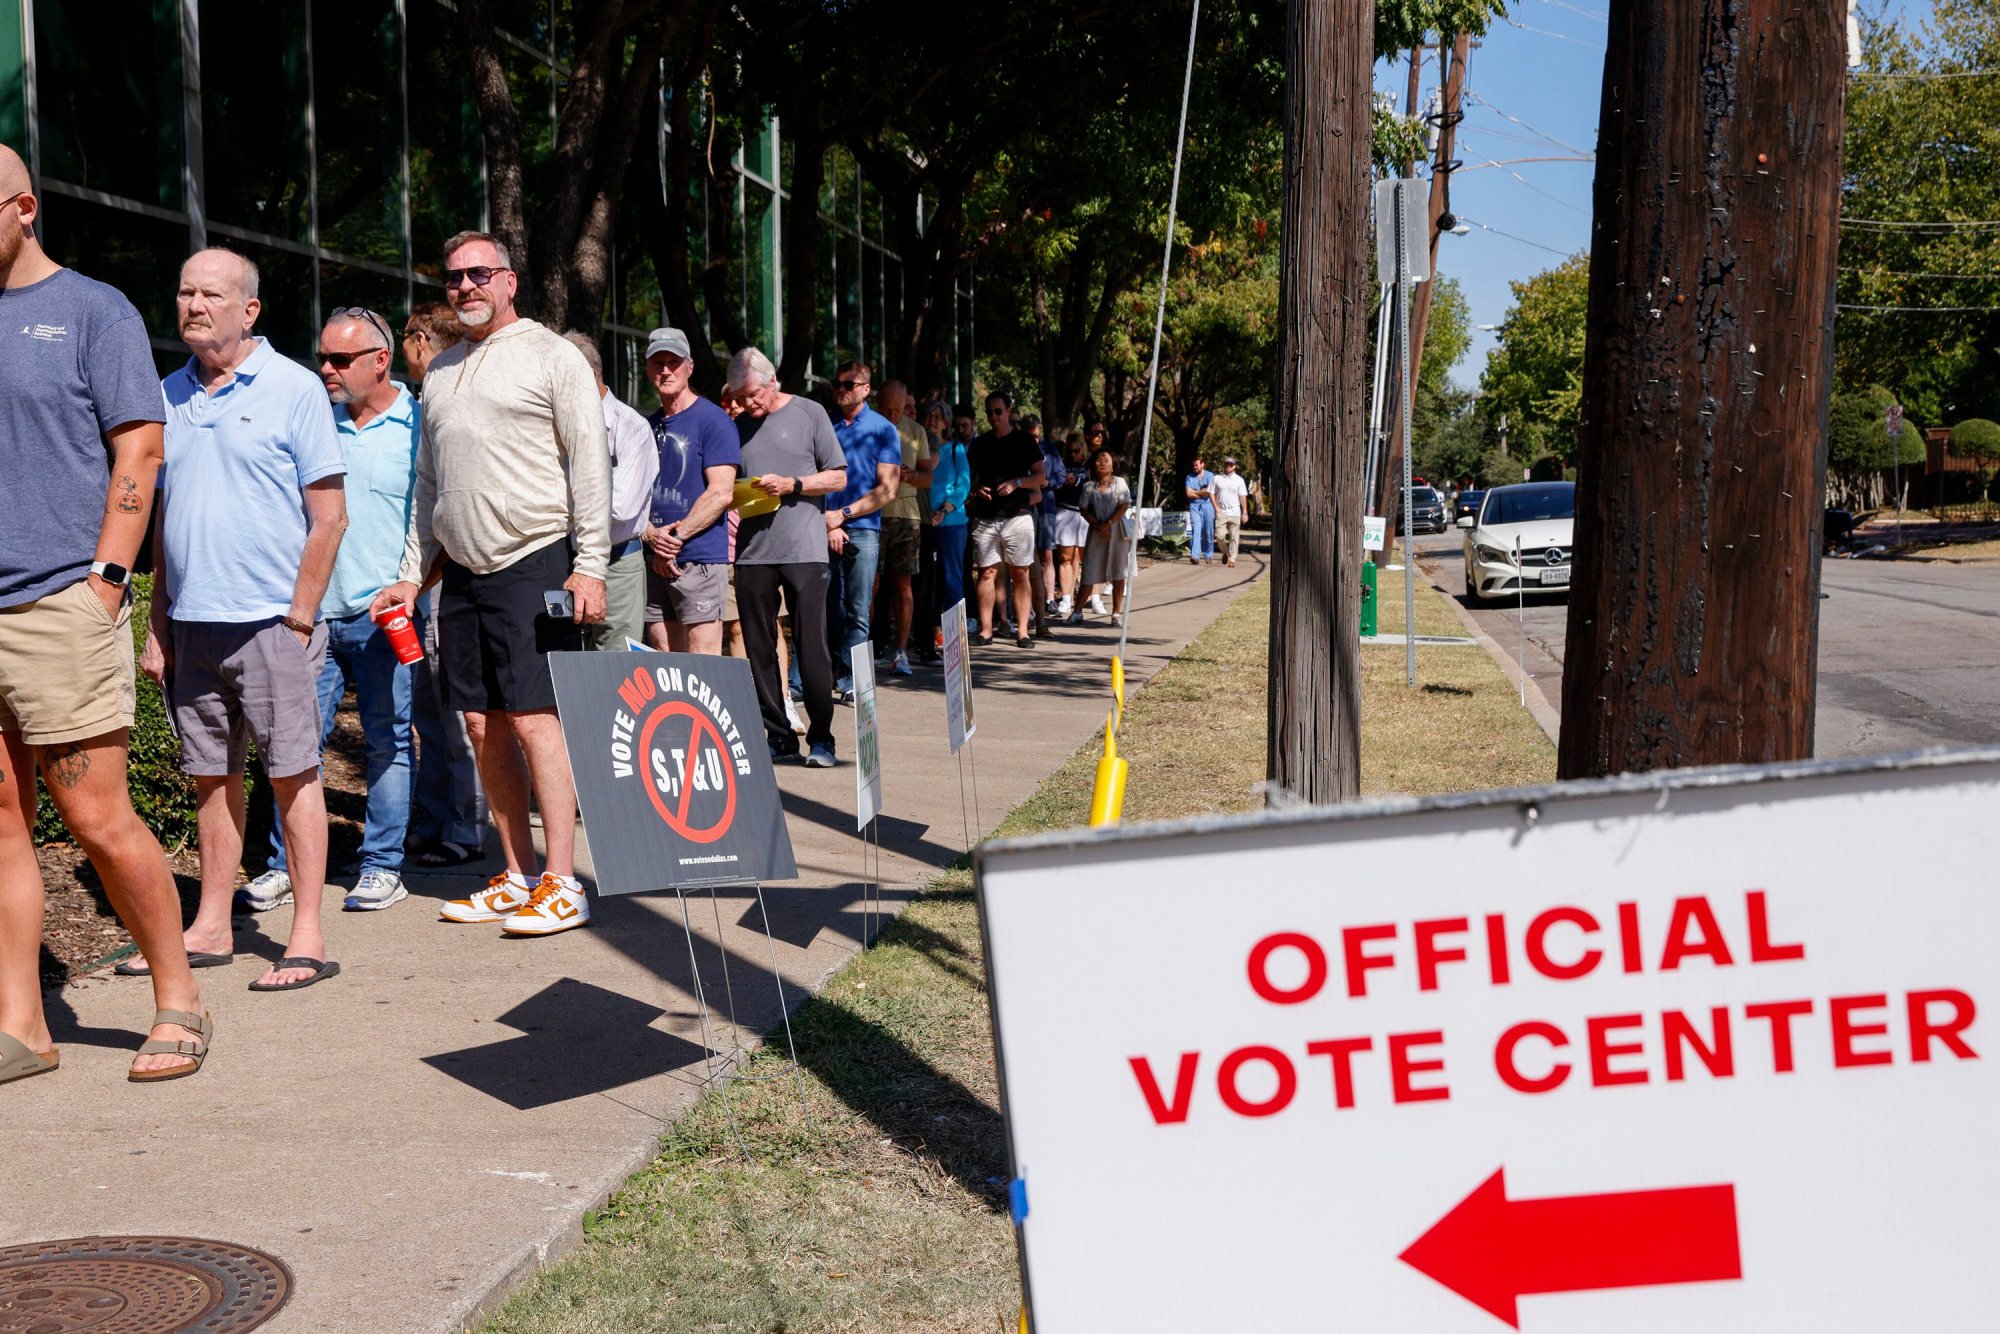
{"points": [[795, 441], [74, 365]]}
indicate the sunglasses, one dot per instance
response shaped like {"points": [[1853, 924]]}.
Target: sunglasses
{"points": [[18, 194], [413, 333], [849, 386], [340, 361], [367, 317], [478, 275]]}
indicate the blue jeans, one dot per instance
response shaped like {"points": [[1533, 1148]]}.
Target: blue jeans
{"points": [[1201, 530], [951, 564], [357, 650], [850, 594]]}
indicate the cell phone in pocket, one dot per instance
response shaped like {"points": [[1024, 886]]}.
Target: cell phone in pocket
{"points": [[561, 604]]}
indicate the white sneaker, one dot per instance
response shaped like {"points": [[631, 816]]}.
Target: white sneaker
{"points": [[901, 665], [555, 906], [1097, 607], [273, 889], [374, 891], [1064, 606], [500, 900], [792, 716]]}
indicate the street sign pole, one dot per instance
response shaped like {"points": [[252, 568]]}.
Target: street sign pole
{"points": [[1895, 426], [1403, 260]]}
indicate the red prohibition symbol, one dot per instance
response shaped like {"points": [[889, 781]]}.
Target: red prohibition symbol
{"points": [[701, 731]]}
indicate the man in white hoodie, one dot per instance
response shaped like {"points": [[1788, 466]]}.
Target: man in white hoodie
{"points": [[512, 510]]}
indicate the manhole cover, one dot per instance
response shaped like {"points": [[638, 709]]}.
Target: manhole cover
{"points": [[138, 1285]]}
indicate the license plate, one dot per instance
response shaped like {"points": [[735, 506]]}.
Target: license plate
{"points": [[1556, 576]]}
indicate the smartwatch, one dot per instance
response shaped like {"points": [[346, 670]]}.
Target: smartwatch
{"points": [[115, 575], [846, 512]]}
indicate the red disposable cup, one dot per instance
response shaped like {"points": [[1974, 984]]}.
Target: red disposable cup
{"points": [[395, 623]]}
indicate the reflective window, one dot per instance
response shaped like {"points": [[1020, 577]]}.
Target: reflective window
{"points": [[138, 255], [342, 285], [758, 266], [447, 182], [285, 290], [108, 93], [358, 127], [253, 112]]}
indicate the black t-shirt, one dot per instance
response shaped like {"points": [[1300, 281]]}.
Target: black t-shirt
{"points": [[1001, 458]]}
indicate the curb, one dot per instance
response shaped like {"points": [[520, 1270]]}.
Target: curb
{"points": [[1546, 715]]}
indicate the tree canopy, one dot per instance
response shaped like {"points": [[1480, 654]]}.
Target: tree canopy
{"points": [[1535, 372]]}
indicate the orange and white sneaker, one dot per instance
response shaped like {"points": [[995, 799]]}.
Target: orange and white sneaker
{"points": [[501, 899], [556, 905]]}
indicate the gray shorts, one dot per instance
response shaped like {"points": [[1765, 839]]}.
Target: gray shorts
{"points": [[231, 684], [696, 598]]}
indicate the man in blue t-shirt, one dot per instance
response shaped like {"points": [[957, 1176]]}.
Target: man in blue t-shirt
{"points": [[687, 584], [1200, 488], [80, 444], [854, 516], [252, 508]]}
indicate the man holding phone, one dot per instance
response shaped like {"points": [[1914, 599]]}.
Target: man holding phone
{"points": [[512, 514]]}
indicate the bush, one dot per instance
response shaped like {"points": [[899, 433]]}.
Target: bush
{"points": [[1978, 439], [162, 794]]}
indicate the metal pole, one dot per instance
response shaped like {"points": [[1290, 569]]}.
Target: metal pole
{"points": [[1407, 399], [1521, 614]]}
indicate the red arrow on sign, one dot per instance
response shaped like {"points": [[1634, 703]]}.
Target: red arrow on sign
{"points": [[1491, 1250]]}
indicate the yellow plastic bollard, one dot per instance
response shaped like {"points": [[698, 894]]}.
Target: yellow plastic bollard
{"points": [[1107, 798], [1024, 1320]]}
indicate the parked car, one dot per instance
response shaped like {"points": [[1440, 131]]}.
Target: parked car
{"points": [[1426, 510], [1537, 520], [1466, 504]]}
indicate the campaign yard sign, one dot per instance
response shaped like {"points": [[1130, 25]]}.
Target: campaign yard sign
{"points": [[867, 745], [671, 770], [1702, 1050], [959, 724]]}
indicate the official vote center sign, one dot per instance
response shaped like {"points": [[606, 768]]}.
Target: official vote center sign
{"points": [[1704, 1050], [672, 770]]}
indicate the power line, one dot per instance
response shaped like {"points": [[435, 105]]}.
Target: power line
{"points": [[1578, 9], [1894, 273], [1878, 224], [1924, 310], [1471, 96], [1511, 237], [1536, 188], [1544, 32], [1924, 74]]}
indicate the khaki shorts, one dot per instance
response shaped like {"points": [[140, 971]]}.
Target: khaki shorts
{"points": [[696, 598], [1009, 540], [902, 541], [65, 667]]}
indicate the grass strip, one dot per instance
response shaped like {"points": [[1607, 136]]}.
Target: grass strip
{"points": [[887, 1211]]}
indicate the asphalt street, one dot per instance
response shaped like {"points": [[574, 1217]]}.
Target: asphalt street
{"points": [[1909, 651]]}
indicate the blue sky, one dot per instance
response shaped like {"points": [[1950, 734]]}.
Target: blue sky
{"points": [[1534, 84]]}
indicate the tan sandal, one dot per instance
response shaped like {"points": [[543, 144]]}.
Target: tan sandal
{"points": [[18, 1060], [195, 1048]]}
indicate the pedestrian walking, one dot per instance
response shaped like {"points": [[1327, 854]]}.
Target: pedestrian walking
{"points": [[1045, 586], [689, 598], [635, 462], [1232, 507], [80, 447], [1108, 554], [1006, 479], [951, 484], [252, 509], [376, 421], [903, 522], [790, 453], [1072, 531], [1199, 487], [448, 806], [874, 456], [511, 468]]}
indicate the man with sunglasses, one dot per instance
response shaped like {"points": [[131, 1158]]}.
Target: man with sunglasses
{"points": [[512, 513], [80, 444], [377, 422]]}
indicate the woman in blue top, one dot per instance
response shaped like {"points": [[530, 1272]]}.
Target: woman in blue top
{"points": [[951, 481]]}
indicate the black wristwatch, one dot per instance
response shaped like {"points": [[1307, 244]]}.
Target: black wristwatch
{"points": [[798, 486]]}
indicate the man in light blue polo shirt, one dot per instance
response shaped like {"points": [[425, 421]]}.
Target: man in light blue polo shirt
{"points": [[854, 516], [377, 420], [251, 514]]}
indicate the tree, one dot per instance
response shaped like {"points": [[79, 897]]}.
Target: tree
{"points": [[1859, 448], [1326, 293], [1693, 623], [1979, 440], [1534, 375]]}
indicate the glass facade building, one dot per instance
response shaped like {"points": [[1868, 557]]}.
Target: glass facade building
{"points": [[337, 144]]}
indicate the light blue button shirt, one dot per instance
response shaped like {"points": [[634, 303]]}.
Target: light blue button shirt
{"points": [[238, 462], [381, 470]]}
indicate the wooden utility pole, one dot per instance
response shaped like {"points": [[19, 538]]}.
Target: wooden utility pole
{"points": [[1326, 295], [1693, 624], [1442, 163]]}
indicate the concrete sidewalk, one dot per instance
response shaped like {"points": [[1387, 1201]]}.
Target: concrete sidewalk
{"points": [[420, 1133]]}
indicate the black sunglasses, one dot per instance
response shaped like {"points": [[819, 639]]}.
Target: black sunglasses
{"points": [[479, 275], [849, 386], [367, 317], [340, 361]]}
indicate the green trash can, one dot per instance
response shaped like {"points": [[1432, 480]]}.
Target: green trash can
{"points": [[1370, 610]]}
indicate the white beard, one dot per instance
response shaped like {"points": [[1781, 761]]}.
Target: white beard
{"points": [[474, 317]]}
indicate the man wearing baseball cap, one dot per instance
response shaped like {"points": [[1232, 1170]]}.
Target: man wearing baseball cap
{"points": [[687, 583], [1232, 507]]}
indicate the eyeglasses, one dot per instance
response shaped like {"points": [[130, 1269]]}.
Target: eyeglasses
{"points": [[849, 386], [18, 194], [340, 361], [408, 334], [478, 275], [367, 317]]}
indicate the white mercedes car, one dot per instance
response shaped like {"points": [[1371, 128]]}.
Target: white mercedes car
{"points": [[1521, 538]]}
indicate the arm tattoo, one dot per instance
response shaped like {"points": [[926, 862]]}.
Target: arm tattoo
{"points": [[125, 497], [66, 765]]}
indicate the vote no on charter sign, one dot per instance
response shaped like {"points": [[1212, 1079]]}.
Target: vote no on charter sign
{"points": [[1703, 1050], [671, 770]]}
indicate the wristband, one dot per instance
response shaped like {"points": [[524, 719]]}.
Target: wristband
{"points": [[295, 625]]}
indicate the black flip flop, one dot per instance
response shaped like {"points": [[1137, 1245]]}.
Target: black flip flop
{"points": [[322, 970], [440, 854], [196, 959]]}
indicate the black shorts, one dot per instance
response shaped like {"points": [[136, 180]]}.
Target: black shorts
{"points": [[495, 635]]}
